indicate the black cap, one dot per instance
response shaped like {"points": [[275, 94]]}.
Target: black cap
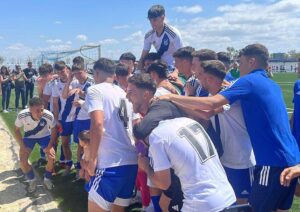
{"points": [[156, 11]]}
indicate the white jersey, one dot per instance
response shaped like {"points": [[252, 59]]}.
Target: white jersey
{"points": [[166, 44], [48, 91], [238, 152], [116, 146], [190, 152], [33, 128], [67, 110], [82, 112], [161, 91]]}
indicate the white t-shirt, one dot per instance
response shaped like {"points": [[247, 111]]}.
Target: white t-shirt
{"points": [[117, 144], [48, 89], [161, 91], [238, 152], [67, 111], [166, 44], [82, 112], [35, 129], [190, 152]]}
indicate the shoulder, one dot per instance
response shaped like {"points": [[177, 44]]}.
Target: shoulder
{"points": [[149, 33], [48, 115], [172, 31], [90, 80], [23, 114]]}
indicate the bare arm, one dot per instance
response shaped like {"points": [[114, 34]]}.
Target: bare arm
{"points": [[197, 103], [18, 136], [45, 100], [55, 108], [96, 132], [141, 61], [162, 179]]}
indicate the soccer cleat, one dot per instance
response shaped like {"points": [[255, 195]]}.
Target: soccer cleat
{"points": [[32, 186], [48, 183], [5, 111]]}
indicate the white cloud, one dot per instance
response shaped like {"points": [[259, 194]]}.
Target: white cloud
{"points": [[69, 42], [136, 37], [16, 46], [59, 47], [81, 37], [121, 26], [58, 22], [189, 10], [108, 41], [1, 37], [273, 24], [54, 41]]}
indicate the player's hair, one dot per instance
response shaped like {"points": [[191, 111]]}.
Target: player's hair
{"points": [[159, 67], [59, 65], [78, 64], [84, 136], [152, 56], [156, 11], [205, 54], [127, 56], [258, 51], [122, 70], [44, 69], [78, 59], [4, 70], [224, 57], [143, 81], [215, 68], [35, 101], [105, 65], [184, 53]]}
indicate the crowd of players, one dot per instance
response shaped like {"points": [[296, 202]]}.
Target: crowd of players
{"points": [[201, 136]]}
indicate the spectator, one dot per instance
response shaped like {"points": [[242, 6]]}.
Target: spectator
{"points": [[6, 86], [31, 75], [19, 78]]}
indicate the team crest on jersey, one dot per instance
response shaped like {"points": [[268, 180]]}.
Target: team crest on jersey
{"points": [[166, 42]]}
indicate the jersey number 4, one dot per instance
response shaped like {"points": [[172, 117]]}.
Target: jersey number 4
{"points": [[190, 133], [123, 114]]}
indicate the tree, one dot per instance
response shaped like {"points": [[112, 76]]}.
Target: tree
{"points": [[233, 53], [293, 54]]}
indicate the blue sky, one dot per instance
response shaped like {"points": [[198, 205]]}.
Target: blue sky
{"points": [[28, 27]]}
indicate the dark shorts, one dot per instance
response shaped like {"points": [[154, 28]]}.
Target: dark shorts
{"points": [[67, 128], [79, 126], [174, 192], [267, 193], [30, 142]]}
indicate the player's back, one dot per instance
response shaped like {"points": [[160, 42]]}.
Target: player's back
{"points": [[194, 159], [116, 146]]}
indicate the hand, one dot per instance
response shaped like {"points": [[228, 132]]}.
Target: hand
{"points": [[73, 91], [91, 167], [288, 174], [50, 152], [76, 103], [189, 89], [143, 162], [81, 173], [59, 127], [87, 177]]}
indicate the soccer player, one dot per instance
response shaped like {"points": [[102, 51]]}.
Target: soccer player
{"points": [[238, 159], [122, 75], [39, 127], [186, 148], [141, 90], [128, 59], [31, 75], [66, 115], [79, 88], [165, 39], [266, 120], [113, 154], [158, 71]]}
